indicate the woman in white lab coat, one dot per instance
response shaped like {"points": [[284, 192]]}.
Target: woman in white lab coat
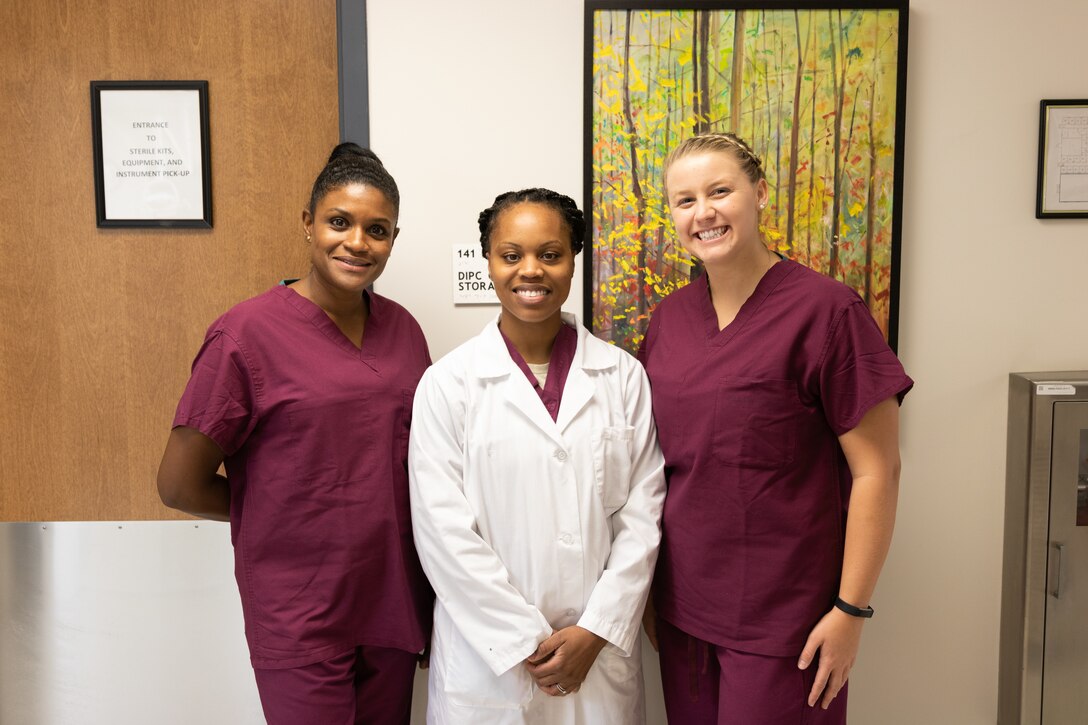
{"points": [[536, 488]]}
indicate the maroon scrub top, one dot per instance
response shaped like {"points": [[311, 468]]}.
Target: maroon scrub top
{"points": [[749, 418], [315, 433]]}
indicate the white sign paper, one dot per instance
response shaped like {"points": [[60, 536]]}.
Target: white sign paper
{"points": [[151, 154], [471, 285]]}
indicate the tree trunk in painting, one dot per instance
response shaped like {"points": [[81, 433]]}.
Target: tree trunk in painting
{"points": [[701, 98], [701, 58], [636, 186], [736, 82], [845, 194], [839, 91], [768, 112], [795, 135], [780, 59], [870, 200], [811, 153]]}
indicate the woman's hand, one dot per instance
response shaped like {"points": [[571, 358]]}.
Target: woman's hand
{"points": [[564, 659], [836, 637]]}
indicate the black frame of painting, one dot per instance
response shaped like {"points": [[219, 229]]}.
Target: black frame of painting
{"points": [[590, 101]]}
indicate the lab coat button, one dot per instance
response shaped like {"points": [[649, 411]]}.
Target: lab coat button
{"points": [[566, 538], [561, 455]]}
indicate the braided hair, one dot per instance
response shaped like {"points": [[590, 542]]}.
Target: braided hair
{"points": [[728, 143], [564, 205], [350, 163]]}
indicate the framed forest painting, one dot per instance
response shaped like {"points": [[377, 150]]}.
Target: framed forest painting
{"points": [[816, 88]]}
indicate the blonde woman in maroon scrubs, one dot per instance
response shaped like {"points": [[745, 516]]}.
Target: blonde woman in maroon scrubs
{"points": [[305, 393], [777, 403]]}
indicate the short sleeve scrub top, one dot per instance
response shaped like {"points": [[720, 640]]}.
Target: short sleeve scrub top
{"points": [[315, 432], [758, 487]]}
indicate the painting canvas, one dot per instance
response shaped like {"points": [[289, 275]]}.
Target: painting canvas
{"points": [[816, 89]]}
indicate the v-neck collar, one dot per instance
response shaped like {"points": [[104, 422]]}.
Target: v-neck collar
{"points": [[319, 319], [766, 285]]}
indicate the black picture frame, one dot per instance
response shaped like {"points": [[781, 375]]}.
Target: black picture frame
{"points": [[151, 176], [623, 321], [1061, 190]]}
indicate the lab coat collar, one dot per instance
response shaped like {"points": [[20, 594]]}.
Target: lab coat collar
{"points": [[492, 360]]}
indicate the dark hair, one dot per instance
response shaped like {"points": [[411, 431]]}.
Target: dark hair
{"points": [[350, 163], [564, 205]]}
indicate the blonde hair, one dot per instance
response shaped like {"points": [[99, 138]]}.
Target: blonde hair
{"points": [[728, 143]]}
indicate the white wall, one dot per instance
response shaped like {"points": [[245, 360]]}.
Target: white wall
{"points": [[473, 98]]}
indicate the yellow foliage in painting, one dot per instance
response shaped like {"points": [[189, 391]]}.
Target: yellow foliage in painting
{"points": [[613, 107], [640, 260], [635, 82]]}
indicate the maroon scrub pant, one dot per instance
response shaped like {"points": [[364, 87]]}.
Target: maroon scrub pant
{"points": [[362, 685], [705, 684]]}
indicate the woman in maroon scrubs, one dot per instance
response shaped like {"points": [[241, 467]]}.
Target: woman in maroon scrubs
{"points": [[776, 399], [305, 393]]}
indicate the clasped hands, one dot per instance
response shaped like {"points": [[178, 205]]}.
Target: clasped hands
{"points": [[564, 659]]}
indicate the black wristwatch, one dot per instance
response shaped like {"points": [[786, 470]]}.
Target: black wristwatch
{"points": [[852, 610]]}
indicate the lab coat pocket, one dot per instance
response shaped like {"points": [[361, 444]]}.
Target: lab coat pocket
{"points": [[755, 423], [612, 464], [471, 683]]}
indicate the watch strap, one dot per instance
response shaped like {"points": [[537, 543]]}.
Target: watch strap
{"points": [[852, 610]]}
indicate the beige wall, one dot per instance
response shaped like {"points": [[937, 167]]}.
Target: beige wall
{"points": [[987, 289], [99, 326]]}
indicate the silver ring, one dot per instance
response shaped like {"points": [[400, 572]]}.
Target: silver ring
{"points": [[562, 690]]}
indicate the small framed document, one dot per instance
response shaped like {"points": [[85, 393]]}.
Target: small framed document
{"points": [[1063, 160], [151, 156]]}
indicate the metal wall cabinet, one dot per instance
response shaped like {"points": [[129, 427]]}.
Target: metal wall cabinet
{"points": [[1043, 668]]}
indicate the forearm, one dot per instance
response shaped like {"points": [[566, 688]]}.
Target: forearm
{"points": [[872, 452], [868, 536]]}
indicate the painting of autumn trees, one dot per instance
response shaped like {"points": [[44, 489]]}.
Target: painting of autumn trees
{"points": [[816, 92]]}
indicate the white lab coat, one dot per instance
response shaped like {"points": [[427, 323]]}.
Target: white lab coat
{"points": [[526, 525]]}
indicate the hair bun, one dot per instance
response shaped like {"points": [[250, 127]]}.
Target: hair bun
{"points": [[349, 149]]}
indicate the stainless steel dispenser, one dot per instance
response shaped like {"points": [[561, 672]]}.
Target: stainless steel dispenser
{"points": [[1043, 668]]}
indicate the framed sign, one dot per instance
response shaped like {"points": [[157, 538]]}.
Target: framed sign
{"points": [[151, 156], [1062, 189], [816, 88]]}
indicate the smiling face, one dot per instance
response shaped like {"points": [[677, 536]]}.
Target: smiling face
{"points": [[351, 233], [715, 206], [531, 263]]}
